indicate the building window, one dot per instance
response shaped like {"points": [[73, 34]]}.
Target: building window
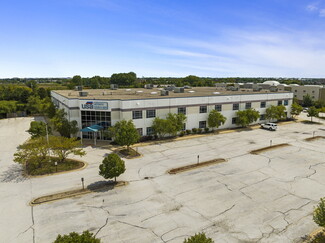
{"points": [[137, 114], [262, 117], [184, 127], [279, 102], [296, 90], [248, 105], [304, 91], [233, 120], [181, 110], [202, 124], [263, 104], [140, 131], [151, 113], [296, 96], [149, 131], [313, 97], [218, 107], [203, 109], [235, 107], [285, 102]]}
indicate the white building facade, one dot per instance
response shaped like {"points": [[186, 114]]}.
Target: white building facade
{"points": [[107, 109]]}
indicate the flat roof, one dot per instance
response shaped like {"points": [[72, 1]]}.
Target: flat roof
{"points": [[141, 93]]}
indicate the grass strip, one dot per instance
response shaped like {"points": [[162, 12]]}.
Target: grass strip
{"points": [[261, 150], [77, 192], [194, 166], [313, 138]]}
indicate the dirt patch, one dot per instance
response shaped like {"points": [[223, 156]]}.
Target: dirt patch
{"points": [[128, 153], [261, 150], [314, 138], [194, 166], [96, 187]]}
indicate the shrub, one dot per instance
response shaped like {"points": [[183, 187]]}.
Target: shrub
{"points": [[318, 238], [319, 213], [206, 129], [182, 133], [198, 238], [188, 131], [194, 130], [85, 237], [199, 130]]}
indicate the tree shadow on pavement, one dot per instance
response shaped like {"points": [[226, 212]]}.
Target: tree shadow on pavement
{"points": [[13, 174], [101, 186]]}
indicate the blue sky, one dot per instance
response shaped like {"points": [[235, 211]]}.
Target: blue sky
{"points": [[162, 38]]}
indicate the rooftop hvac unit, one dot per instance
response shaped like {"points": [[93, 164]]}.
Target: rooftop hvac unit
{"points": [[178, 90], [78, 88], [170, 88], [164, 92], [114, 86], [83, 94], [148, 86]]}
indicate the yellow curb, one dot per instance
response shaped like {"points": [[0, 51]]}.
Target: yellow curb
{"points": [[61, 172]]}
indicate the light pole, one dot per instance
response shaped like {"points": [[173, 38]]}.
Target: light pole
{"points": [[270, 143], [313, 133], [82, 181], [48, 144], [198, 159]]}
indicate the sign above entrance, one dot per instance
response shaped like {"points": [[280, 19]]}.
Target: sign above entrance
{"points": [[94, 105]]}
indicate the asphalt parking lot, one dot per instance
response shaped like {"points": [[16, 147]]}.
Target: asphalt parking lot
{"points": [[250, 198]]}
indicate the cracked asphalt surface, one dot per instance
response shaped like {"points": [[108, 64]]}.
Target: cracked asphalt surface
{"points": [[250, 198]]}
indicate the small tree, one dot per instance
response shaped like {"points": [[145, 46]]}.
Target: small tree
{"points": [[307, 101], [63, 126], [319, 213], [296, 109], [62, 147], [124, 133], [111, 167], [215, 119], [312, 112], [162, 127], [32, 153], [176, 121], [38, 129], [85, 237], [199, 238], [275, 112], [246, 117]]}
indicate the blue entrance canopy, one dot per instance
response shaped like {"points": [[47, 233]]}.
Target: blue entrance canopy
{"points": [[93, 128]]}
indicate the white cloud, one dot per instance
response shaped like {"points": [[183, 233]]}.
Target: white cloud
{"points": [[322, 12], [312, 7], [276, 54]]}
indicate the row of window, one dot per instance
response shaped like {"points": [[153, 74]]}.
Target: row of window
{"points": [[203, 109], [202, 125]]}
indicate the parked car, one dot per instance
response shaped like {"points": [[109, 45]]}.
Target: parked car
{"points": [[305, 110], [270, 126]]}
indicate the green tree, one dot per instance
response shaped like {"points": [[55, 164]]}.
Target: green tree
{"points": [[246, 117], [162, 127], [35, 105], [307, 101], [191, 80], [124, 79], [319, 213], [124, 133], [199, 238], [177, 122], [312, 112], [73, 237], [296, 109], [275, 112], [7, 106], [38, 129], [215, 119], [32, 153], [111, 167], [62, 125], [62, 147]]}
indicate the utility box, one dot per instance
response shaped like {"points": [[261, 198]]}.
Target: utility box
{"points": [[179, 90], [164, 92], [83, 94], [114, 86]]}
